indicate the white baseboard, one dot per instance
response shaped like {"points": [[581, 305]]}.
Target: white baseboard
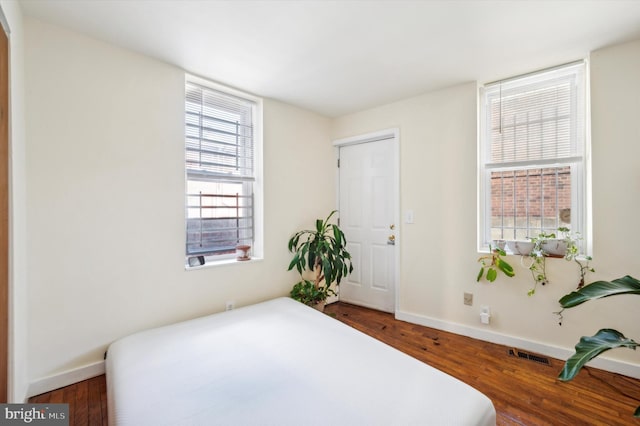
{"points": [[66, 378], [607, 364]]}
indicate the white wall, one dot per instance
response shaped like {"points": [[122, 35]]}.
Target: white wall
{"points": [[106, 191], [438, 145], [18, 367]]}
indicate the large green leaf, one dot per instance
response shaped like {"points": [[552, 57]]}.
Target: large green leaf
{"points": [[330, 214], [337, 235], [504, 267], [328, 271], [590, 347], [294, 262], [492, 274], [599, 289]]}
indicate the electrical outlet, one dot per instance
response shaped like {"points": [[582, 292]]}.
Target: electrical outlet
{"points": [[468, 299], [229, 305], [485, 314]]}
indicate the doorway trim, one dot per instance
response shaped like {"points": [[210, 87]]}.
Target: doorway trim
{"points": [[6, 334], [392, 133]]}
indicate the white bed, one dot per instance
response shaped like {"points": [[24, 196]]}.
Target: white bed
{"points": [[279, 363]]}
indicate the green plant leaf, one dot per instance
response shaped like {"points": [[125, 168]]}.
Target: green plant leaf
{"points": [[480, 274], [499, 251], [294, 262], [599, 289], [492, 274], [311, 258], [328, 271], [590, 347], [505, 267], [337, 235]]}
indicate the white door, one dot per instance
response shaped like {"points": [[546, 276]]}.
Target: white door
{"points": [[368, 206]]}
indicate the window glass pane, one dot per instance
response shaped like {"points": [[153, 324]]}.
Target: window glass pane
{"points": [[219, 216], [527, 202]]}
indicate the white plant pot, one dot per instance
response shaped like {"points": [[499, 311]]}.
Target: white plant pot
{"points": [[520, 247], [554, 247], [499, 244]]}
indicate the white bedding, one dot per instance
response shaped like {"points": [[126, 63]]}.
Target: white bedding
{"points": [[279, 363]]}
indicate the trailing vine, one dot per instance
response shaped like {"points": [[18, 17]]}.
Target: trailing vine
{"points": [[538, 270], [572, 253], [538, 267]]}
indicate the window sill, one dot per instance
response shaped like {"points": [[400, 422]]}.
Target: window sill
{"points": [[485, 251], [222, 262]]}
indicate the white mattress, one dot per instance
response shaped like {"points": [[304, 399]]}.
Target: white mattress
{"points": [[279, 363]]}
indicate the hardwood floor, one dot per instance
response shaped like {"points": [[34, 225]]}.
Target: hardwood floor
{"points": [[87, 401], [524, 392]]}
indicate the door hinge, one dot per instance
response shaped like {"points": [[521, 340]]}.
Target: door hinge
{"points": [[338, 221], [338, 163]]}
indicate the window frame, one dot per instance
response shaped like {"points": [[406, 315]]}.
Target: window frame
{"points": [[257, 245], [579, 161]]}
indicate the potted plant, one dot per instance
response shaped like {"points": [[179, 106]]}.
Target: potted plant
{"points": [[322, 251], [590, 347], [537, 250]]}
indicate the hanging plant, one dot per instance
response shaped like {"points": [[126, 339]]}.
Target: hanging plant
{"points": [[538, 267], [492, 263], [572, 253]]}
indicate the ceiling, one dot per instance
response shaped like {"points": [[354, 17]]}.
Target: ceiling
{"points": [[339, 57]]}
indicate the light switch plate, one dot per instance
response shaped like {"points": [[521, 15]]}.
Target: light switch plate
{"points": [[408, 216]]}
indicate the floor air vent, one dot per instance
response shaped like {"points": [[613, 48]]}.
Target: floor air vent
{"points": [[531, 357]]}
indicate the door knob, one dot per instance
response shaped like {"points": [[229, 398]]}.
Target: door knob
{"points": [[392, 240]]}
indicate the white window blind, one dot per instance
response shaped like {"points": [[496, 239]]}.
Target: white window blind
{"points": [[219, 162], [537, 118], [219, 134], [532, 150]]}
